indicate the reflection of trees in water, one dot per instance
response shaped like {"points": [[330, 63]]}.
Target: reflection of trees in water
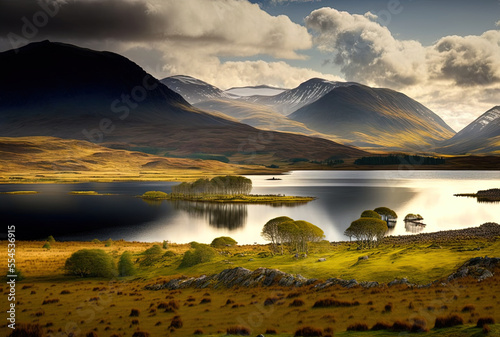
{"points": [[219, 215], [413, 227]]}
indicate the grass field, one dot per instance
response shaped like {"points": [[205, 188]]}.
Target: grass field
{"points": [[61, 303]]}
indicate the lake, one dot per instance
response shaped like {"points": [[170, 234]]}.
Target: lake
{"points": [[341, 197]]}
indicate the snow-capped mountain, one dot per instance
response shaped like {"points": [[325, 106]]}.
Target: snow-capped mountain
{"points": [[260, 90], [293, 99], [480, 136], [374, 117], [194, 90]]}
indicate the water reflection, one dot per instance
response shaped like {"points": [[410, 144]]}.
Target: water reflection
{"points": [[218, 215], [413, 227]]}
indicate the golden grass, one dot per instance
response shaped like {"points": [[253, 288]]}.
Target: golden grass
{"points": [[105, 305]]}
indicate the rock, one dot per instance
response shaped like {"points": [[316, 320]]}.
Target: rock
{"points": [[366, 257], [250, 260], [321, 259], [261, 335]]}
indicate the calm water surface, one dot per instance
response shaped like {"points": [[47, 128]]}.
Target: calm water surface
{"points": [[342, 196]]}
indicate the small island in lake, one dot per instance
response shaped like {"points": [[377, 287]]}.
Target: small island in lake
{"points": [[491, 195], [229, 189]]}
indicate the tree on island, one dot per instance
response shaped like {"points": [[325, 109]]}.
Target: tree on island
{"points": [[221, 185], [285, 231], [387, 215], [368, 230]]}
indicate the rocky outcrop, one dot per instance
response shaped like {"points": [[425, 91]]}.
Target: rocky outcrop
{"points": [[479, 267], [487, 230], [237, 277]]}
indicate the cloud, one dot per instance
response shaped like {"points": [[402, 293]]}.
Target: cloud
{"points": [[224, 27], [456, 76], [468, 61], [366, 51]]}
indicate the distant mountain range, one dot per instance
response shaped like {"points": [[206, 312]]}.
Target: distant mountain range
{"points": [[480, 136], [60, 90], [354, 114]]}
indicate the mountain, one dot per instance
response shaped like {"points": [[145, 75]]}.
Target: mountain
{"points": [[60, 90], [259, 116], [374, 117], [22, 156], [193, 90], [259, 90], [480, 136], [293, 99]]}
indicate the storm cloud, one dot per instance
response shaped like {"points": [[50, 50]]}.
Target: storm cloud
{"points": [[95, 20]]}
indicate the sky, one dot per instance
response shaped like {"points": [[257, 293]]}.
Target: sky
{"points": [[443, 53]]}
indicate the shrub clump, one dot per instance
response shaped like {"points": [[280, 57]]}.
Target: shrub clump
{"points": [[51, 239], [381, 326], [125, 265], [297, 303], [238, 330], [134, 313], [202, 253], [23, 330], [448, 321], [308, 331], [151, 255], [330, 302], [223, 241], [141, 334], [357, 327], [46, 245], [90, 263], [485, 320], [176, 322]]}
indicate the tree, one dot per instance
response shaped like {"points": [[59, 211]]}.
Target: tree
{"points": [[271, 233], [367, 231], [370, 214], [295, 234], [51, 239], [388, 215], [46, 245], [90, 263], [202, 253], [125, 265], [223, 241]]}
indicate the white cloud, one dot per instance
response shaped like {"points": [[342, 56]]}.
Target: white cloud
{"points": [[366, 51], [457, 77]]}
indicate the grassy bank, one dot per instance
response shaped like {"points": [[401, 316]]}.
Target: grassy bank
{"points": [[52, 299]]}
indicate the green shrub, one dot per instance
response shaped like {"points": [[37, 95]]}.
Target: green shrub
{"points": [[151, 255], [51, 239], [125, 265], [202, 253], [194, 244], [46, 245], [169, 253], [165, 244], [370, 214], [96, 241], [90, 263], [223, 241], [108, 242]]}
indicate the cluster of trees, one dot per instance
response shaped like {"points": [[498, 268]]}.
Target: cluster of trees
{"points": [[292, 234], [369, 229], [394, 159], [228, 185]]}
